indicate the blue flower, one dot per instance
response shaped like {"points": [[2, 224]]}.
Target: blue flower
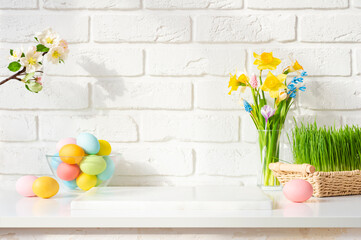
{"points": [[247, 106], [294, 80], [304, 74], [293, 95], [302, 88], [291, 87], [300, 79]]}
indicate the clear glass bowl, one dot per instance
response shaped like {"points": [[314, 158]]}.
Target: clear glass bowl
{"points": [[54, 160]]}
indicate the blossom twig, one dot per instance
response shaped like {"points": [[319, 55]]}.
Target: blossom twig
{"points": [[27, 65], [15, 76]]}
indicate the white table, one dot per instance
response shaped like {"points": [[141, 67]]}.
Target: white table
{"points": [[334, 212]]}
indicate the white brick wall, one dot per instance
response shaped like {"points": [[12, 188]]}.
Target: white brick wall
{"points": [[91, 4], [151, 77], [297, 4], [143, 28], [254, 28], [20, 27], [194, 61], [190, 4]]}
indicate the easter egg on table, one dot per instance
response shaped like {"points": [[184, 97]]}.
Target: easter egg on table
{"points": [[71, 154], [65, 141], [109, 170], [88, 142], [55, 161], [93, 164], [70, 184], [45, 187], [68, 172], [298, 190], [105, 148], [24, 186], [85, 181]]}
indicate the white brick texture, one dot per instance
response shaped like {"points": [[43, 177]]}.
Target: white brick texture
{"points": [[358, 61], [22, 27], [297, 4], [91, 4], [149, 161], [25, 127], [351, 120], [151, 77], [335, 94], [143, 93], [183, 61], [330, 28], [248, 130], [18, 4], [357, 3], [190, 127], [58, 93], [227, 161], [144, 28], [245, 28], [27, 158], [113, 128], [100, 61], [190, 4]]}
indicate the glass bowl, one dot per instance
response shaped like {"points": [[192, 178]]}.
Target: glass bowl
{"points": [[102, 179]]}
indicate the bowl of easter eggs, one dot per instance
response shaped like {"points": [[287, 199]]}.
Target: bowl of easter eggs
{"points": [[82, 163]]}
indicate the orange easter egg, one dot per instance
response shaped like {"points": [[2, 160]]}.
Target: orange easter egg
{"points": [[71, 154]]}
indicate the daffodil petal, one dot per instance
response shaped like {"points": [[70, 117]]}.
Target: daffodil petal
{"points": [[273, 94]]}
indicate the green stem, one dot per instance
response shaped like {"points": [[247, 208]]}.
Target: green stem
{"points": [[269, 147], [261, 83]]}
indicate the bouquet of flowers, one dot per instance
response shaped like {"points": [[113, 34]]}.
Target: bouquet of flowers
{"points": [[27, 65], [269, 113]]}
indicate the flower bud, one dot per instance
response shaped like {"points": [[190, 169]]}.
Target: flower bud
{"points": [[282, 96], [253, 81]]}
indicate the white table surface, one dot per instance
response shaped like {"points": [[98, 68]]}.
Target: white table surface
{"points": [[333, 212], [170, 199]]}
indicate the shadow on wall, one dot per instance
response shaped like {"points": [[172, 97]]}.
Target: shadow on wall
{"points": [[108, 87], [103, 88]]}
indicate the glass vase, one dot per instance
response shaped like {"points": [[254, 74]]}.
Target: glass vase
{"points": [[269, 152]]}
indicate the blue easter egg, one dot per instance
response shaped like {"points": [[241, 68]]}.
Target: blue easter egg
{"points": [[55, 161], [109, 170], [70, 184], [88, 142]]}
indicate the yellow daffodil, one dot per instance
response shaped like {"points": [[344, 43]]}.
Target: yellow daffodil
{"points": [[266, 61], [235, 82], [273, 84], [294, 68]]}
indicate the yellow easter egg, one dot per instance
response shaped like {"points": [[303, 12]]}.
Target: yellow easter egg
{"points": [[45, 187], [105, 148], [85, 181]]}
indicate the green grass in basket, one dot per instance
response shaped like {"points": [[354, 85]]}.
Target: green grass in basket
{"points": [[327, 148]]}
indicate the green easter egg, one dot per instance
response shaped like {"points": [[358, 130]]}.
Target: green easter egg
{"points": [[93, 165]]}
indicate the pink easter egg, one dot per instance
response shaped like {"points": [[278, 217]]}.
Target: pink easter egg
{"points": [[24, 186], [298, 190], [64, 142], [67, 172]]}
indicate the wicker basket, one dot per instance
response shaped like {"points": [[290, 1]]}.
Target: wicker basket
{"points": [[325, 184]]}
